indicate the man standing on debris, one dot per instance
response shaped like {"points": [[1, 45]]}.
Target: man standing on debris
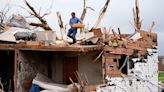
{"points": [[73, 30]]}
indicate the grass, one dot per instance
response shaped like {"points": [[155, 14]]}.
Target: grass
{"points": [[161, 76]]}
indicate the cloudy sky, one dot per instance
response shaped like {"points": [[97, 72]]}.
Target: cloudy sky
{"points": [[119, 13]]}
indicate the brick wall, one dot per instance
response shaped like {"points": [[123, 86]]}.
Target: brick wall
{"points": [[161, 63]]}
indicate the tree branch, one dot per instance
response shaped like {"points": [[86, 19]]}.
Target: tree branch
{"points": [[43, 23], [40, 25], [85, 10], [101, 14], [137, 20]]}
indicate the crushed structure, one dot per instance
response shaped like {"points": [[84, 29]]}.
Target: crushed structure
{"points": [[101, 61]]}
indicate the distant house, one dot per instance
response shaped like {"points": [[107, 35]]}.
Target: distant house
{"points": [[161, 63]]}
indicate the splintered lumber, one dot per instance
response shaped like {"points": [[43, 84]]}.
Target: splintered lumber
{"points": [[151, 27], [86, 79], [1, 26], [101, 14], [103, 68], [64, 37], [79, 79], [100, 54], [2, 88], [119, 33], [73, 87]]}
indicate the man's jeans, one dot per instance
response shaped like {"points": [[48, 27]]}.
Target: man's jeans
{"points": [[72, 33]]}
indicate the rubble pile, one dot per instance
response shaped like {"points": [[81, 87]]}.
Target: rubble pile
{"points": [[129, 61]]}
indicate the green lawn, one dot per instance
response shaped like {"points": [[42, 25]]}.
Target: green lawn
{"points": [[161, 76]]}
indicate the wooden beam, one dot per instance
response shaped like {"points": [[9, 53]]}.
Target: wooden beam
{"points": [[103, 68], [151, 27], [16, 86]]}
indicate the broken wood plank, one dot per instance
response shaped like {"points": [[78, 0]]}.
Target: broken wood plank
{"points": [[32, 43], [100, 54], [119, 32], [103, 68], [151, 27]]}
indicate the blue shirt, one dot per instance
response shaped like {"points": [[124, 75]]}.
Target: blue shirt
{"points": [[74, 20]]}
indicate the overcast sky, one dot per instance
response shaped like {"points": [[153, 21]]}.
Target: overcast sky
{"points": [[119, 13]]}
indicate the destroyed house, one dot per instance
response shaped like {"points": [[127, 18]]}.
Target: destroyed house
{"points": [[101, 60], [22, 62]]}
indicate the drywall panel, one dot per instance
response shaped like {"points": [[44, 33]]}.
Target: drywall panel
{"points": [[92, 69]]}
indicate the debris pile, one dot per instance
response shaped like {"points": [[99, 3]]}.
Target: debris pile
{"points": [[127, 59]]}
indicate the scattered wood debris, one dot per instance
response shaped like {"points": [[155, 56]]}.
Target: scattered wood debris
{"points": [[116, 49]]}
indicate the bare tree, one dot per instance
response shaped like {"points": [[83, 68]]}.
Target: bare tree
{"points": [[101, 14], [3, 14], [60, 22], [43, 23], [137, 20], [85, 10], [3, 17]]}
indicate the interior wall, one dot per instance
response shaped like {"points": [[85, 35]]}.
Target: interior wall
{"points": [[51, 65], [92, 69], [57, 67], [30, 63]]}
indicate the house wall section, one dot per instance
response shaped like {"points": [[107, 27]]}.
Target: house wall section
{"points": [[29, 64], [92, 69], [57, 67], [143, 77], [50, 64]]}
